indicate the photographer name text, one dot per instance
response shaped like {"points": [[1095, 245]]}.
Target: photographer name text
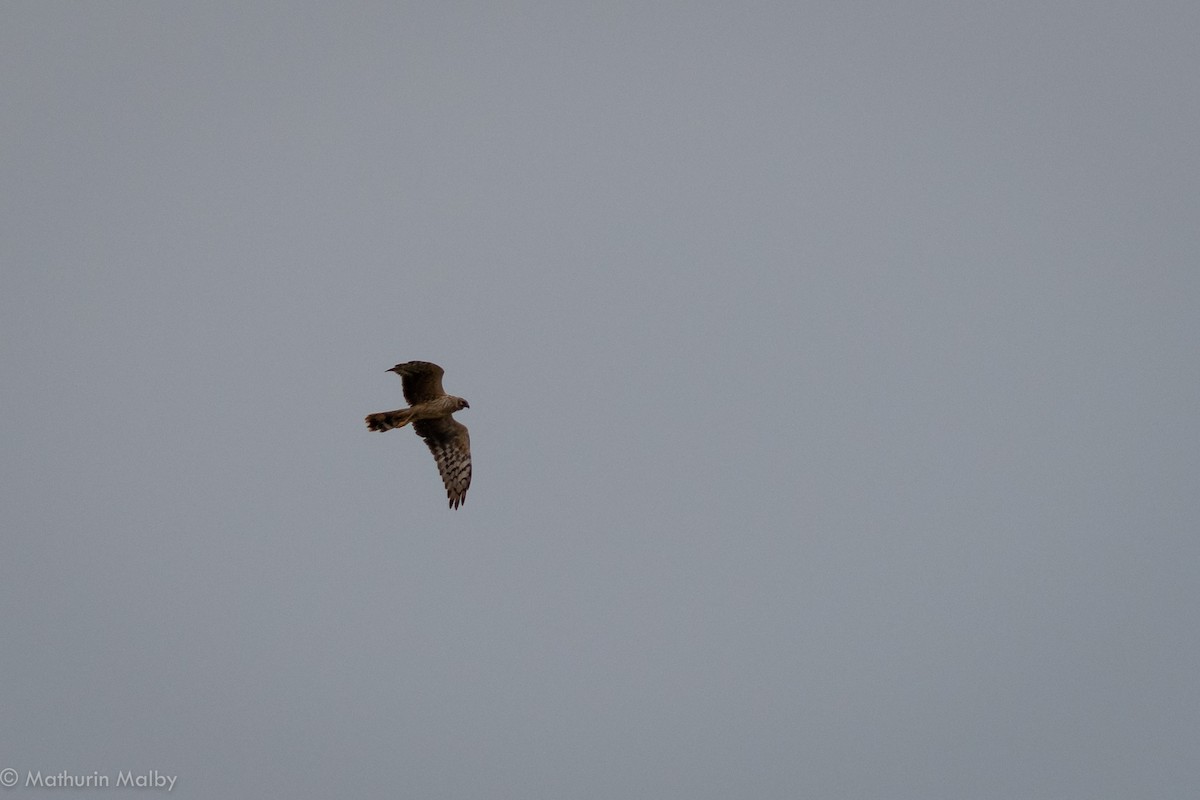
{"points": [[125, 779]]}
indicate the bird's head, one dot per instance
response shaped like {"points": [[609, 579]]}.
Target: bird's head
{"points": [[463, 404]]}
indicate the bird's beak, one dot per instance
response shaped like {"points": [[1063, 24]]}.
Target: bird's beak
{"points": [[466, 404], [393, 369]]}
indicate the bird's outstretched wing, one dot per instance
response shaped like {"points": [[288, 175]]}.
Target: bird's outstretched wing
{"points": [[451, 447], [421, 380]]}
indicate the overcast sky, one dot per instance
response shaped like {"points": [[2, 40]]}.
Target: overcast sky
{"points": [[834, 372]]}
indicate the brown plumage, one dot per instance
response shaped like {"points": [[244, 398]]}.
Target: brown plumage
{"points": [[429, 410]]}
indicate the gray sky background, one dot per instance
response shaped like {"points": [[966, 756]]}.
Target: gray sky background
{"points": [[833, 372]]}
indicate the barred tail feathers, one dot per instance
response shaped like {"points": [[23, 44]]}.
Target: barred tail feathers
{"points": [[386, 420]]}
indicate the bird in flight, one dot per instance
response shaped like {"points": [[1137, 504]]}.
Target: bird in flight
{"points": [[429, 410]]}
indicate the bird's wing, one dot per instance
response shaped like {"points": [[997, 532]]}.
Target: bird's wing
{"points": [[451, 447], [421, 380]]}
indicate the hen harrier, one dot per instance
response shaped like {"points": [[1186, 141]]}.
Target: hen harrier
{"points": [[429, 410]]}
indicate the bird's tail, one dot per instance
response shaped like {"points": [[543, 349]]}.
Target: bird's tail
{"points": [[386, 420]]}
